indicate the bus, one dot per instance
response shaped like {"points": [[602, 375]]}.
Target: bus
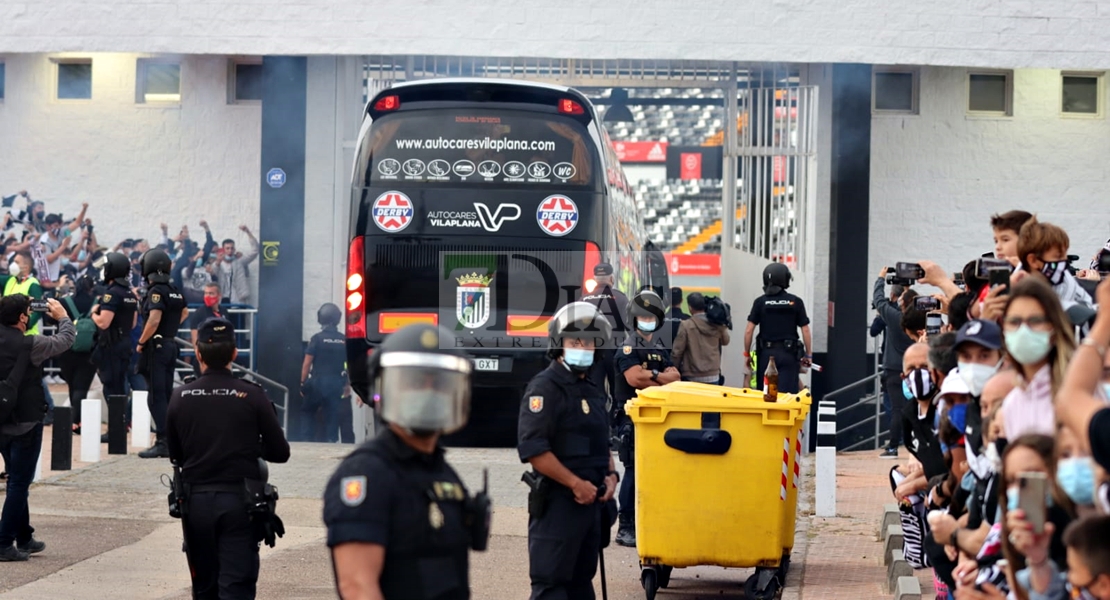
{"points": [[483, 206]]}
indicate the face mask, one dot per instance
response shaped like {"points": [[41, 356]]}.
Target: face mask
{"points": [[918, 384], [1027, 346], [229, 257], [13, 269], [210, 301], [577, 357], [38, 216], [1055, 271], [967, 484], [200, 262], [426, 410], [957, 415], [1077, 478], [82, 255], [1106, 391], [645, 325], [994, 458], [65, 261], [976, 376], [1013, 498]]}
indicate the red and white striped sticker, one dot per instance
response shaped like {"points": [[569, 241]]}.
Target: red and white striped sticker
{"points": [[785, 467], [797, 458]]}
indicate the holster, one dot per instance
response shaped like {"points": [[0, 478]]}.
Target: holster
{"points": [[178, 496], [626, 442], [539, 488], [260, 499], [146, 360]]}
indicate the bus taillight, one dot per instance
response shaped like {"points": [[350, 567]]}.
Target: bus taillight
{"points": [[356, 290], [387, 103], [570, 107], [592, 259]]}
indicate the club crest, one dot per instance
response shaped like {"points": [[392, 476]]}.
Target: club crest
{"points": [[156, 298], [353, 490], [535, 404], [472, 300]]}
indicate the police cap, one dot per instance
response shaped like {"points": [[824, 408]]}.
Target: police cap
{"points": [[216, 330], [603, 269]]}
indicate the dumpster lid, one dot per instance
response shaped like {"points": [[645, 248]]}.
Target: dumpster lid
{"points": [[704, 396]]}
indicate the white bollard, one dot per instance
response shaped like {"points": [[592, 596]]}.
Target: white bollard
{"points": [[38, 468], [140, 420], [90, 433], [825, 501]]}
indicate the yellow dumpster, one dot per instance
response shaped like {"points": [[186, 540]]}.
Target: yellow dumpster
{"points": [[715, 481]]}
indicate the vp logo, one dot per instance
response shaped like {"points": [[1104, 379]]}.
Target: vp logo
{"points": [[492, 222]]}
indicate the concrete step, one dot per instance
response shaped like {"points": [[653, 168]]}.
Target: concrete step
{"points": [[890, 517], [897, 569], [893, 539], [907, 588]]}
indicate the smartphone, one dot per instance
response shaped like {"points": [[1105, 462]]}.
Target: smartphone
{"points": [[906, 270], [933, 323], [926, 303], [958, 279], [984, 265], [1104, 261], [38, 306], [1000, 277], [1032, 490]]}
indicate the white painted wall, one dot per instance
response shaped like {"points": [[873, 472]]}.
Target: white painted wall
{"points": [[936, 178], [136, 165], [1049, 34]]}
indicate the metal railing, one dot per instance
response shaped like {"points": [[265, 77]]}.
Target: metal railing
{"points": [[247, 374], [245, 331], [875, 397]]}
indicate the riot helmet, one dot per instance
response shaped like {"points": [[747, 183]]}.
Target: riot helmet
{"points": [[157, 266], [776, 278], [116, 266], [420, 385], [579, 321], [329, 315], [647, 311]]}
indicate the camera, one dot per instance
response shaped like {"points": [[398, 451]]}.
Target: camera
{"points": [[912, 271], [892, 278], [38, 306]]}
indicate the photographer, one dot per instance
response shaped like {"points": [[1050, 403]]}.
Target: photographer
{"points": [[894, 347], [21, 357]]}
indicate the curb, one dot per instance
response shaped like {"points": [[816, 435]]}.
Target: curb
{"points": [[890, 517], [897, 569], [893, 539], [907, 588]]}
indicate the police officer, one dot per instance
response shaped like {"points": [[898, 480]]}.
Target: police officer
{"points": [[163, 309], [641, 363], [219, 459], [399, 519], [779, 315], [563, 431], [114, 315], [326, 358], [612, 303]]}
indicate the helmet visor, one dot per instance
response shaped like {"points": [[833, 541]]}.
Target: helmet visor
{"points": [[419, 398]]}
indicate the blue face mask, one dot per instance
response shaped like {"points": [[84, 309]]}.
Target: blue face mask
{"points": [[81, 256], [200, 262], [957, 415], [1077, 477], [645, 326], [577, 357]]}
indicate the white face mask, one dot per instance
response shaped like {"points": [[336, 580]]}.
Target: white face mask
{"points": [[13, 269], [976, 376]]}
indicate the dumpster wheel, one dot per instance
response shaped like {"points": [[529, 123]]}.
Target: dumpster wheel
{"points": [[665, 576], [763, 585], [649, 578]]}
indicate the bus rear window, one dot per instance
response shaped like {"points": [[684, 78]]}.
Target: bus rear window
{"points": [[482, 146]]}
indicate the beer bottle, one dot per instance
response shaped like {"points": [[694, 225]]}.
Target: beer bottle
{"points": [[771, 382]]}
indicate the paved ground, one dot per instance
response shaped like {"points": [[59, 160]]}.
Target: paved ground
{"points": [[109, 536]]}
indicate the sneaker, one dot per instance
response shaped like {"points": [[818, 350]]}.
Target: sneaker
{"points": [[31, 547], [626, 537], [889, 453], [13, 554]]}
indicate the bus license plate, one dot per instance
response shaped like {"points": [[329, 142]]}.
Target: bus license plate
{"points": [[485, 364]]}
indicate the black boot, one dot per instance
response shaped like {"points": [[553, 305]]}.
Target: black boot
{"points": [[159, 450], [626, 531]]}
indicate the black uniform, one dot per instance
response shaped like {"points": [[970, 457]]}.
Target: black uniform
{"points": [[651, 357], [113, 346], [328, 350], [413, 504], [565, 414], [779, 316], [612, 303], [674, 319], [160, 352], [216, 455]]}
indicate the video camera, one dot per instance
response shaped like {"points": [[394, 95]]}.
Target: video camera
{"points": [[905, 274]]}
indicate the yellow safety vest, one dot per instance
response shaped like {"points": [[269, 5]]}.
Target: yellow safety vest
{"points": [[15, 287]]}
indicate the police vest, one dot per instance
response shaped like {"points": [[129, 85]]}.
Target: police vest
{"points": [[14, 287]]}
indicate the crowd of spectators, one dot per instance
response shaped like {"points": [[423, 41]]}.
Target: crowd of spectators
{"points": [[1001, 396]]}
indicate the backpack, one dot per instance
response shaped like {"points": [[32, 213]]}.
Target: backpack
{"points": [[718, 312], [85, 326]]}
